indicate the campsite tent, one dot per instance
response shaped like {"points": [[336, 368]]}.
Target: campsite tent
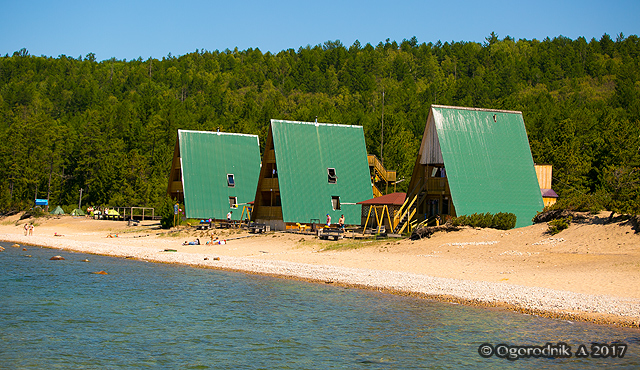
{"points": [[77, 212], [58, 211]]}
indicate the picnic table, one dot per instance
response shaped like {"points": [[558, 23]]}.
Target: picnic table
{"points": [[326, 233], [259, 228]]}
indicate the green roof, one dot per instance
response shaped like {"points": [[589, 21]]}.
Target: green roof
{"points": [[207, 158], [304, 152], [488, 162]]}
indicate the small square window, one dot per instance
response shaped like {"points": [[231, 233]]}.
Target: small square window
{"points": [[233, 202], [231, 180], [331, 175], [335, 203]]}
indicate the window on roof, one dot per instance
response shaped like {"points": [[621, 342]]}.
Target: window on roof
{"points": [[331, 174], [233, 202], [231, 180], [335, 203]]}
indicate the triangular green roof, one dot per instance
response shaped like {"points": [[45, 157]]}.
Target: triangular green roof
{"points": [[488, 161], [304, 152], [207, 158]]}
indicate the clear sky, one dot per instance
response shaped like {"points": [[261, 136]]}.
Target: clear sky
{"points": [[128, 29]]}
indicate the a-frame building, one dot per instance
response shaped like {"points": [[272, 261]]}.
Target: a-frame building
{"points": [[475, 161], [310, 170], [214, 173]]}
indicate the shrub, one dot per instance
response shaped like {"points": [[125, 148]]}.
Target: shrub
{"points": [[501, 220], [504, 221], [559, 224]]}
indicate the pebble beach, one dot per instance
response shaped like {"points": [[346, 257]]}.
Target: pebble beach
{"points": [[438, 268]]}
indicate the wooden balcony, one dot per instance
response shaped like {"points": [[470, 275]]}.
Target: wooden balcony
{"points": [[269, 184], [438, 184], [270, 156], [175, 186], [268, 213]]}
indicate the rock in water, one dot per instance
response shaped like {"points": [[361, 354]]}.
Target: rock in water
{"points": [[57, 258], [1, 249], [15, 245], [101, 273]]}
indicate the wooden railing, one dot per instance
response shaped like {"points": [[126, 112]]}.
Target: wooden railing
{"points": [[388, 176], [268, 213]]}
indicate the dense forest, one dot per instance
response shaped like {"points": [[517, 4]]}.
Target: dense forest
{"points": [[109, 127]]}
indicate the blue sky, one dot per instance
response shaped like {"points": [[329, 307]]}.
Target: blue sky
{"points": [[128, 29]]}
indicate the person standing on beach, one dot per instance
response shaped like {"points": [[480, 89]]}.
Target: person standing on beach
{"points": [[341, 222], [229, 216], [31, 227], [26, 229], [328, 220]]}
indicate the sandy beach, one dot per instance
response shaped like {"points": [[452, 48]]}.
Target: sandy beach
{"points": [[589, 272]]}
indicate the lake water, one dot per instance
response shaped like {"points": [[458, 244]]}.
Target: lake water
{"points": [[59, 314]]}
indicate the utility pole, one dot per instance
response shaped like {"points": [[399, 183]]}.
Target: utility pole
{"points": [[382, 131], [80, 200]]}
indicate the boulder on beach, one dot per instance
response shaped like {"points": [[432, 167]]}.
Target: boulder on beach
{"points": [[56, 258]]}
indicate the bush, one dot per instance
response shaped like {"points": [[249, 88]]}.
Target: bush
{"points": [[501, 220], [504, 221], [559, 224]]}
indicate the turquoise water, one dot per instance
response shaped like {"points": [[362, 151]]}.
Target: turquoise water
{"points": [[58, 314]]}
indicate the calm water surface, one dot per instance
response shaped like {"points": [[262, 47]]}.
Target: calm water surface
{"points": [[58, 314]]}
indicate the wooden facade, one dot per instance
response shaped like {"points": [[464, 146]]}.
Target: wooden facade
{"points": [[175, 189], [429, 179], [267, 205]]}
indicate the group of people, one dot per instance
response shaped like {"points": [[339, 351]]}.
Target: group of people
{"points": [[340, 222], [28, 229], [212, 241]]}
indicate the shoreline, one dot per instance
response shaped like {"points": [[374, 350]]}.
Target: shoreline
{"points": [[540, 301]]}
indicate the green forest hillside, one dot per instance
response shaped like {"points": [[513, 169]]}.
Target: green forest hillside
{"points": [[109, 127]]}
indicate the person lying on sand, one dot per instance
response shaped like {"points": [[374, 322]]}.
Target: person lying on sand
{"points": [[196, 242], [217, 241]]}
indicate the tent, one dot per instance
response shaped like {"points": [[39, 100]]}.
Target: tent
{"points": [[77, 212], [57, 211]]}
